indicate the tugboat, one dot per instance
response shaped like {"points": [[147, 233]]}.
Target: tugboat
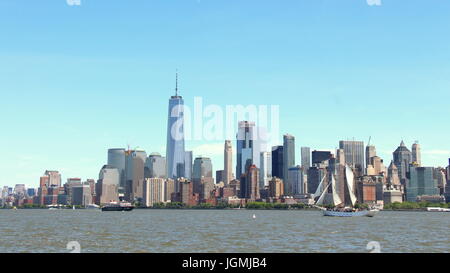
{"points": [[338, 210], [118, 206]]}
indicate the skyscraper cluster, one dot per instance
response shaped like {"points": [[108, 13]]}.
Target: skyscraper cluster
{"points": [[260, 174]]}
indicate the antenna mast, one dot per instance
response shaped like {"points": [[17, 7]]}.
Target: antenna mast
{"points": [[176, 83]]}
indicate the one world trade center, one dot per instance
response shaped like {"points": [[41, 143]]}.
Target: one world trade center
{"points": [[175, 136]]}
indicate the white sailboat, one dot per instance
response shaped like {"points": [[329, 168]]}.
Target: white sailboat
{"points": [[320, 188], [337, 200]]}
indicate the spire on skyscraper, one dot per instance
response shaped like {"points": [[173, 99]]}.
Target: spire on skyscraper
{"points": [[176, 83]]}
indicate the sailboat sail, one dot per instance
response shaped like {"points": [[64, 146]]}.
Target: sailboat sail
{"points": [[319, 188], [336, 199], [322, 197], [350, 180]]}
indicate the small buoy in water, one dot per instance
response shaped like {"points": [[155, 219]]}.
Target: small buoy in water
{"points": [[254, 216]]}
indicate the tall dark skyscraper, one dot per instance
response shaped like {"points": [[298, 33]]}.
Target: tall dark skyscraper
{"points": [[220, 174], [188, 158], [402, 159], [288, 153], [320, 156], [277, 161], [175, 153]]}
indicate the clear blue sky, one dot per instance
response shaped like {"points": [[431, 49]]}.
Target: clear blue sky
{"points": [[77, 80]]}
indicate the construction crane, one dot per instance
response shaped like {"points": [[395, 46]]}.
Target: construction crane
{"points": [[128, 151]]}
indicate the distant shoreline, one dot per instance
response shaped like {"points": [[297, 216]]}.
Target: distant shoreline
{"points": [[228, 209], [404, 206]]}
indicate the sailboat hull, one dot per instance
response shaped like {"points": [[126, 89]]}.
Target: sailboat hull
{"points": [[368, 213]]}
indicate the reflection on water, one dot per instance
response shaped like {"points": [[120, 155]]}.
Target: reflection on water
{"points": [[234, 231]]}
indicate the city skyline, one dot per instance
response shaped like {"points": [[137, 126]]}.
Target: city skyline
{"points": [[72, 96]]}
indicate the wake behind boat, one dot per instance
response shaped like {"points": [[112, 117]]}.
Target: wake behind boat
{"points": [[339, 210]]}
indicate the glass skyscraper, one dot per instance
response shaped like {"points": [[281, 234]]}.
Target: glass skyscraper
{"points": [[354, 153], [175, 153], [288, 154], [277, 161], [320, 156], [188, 165], [202, 167], [244, 147], [155, 166], [116, 159], [202, 173], [265, 172], [422, 182], [306, 157], [294, 183]]}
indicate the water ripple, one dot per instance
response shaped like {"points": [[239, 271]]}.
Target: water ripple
{"points": [[227, 231]]}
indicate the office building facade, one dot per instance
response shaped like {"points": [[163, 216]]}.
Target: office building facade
{"points": [[288, 153], [116, 159], [244, 147], [188, 158], [134, 174], [402, 160], [265, 171], [107, 187], [154, 191], [295, 183], [320, 156], [202, 169], [277, 161], [228, 162], [421, 182], [354, 153], [306, 158], [155, 166]]}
